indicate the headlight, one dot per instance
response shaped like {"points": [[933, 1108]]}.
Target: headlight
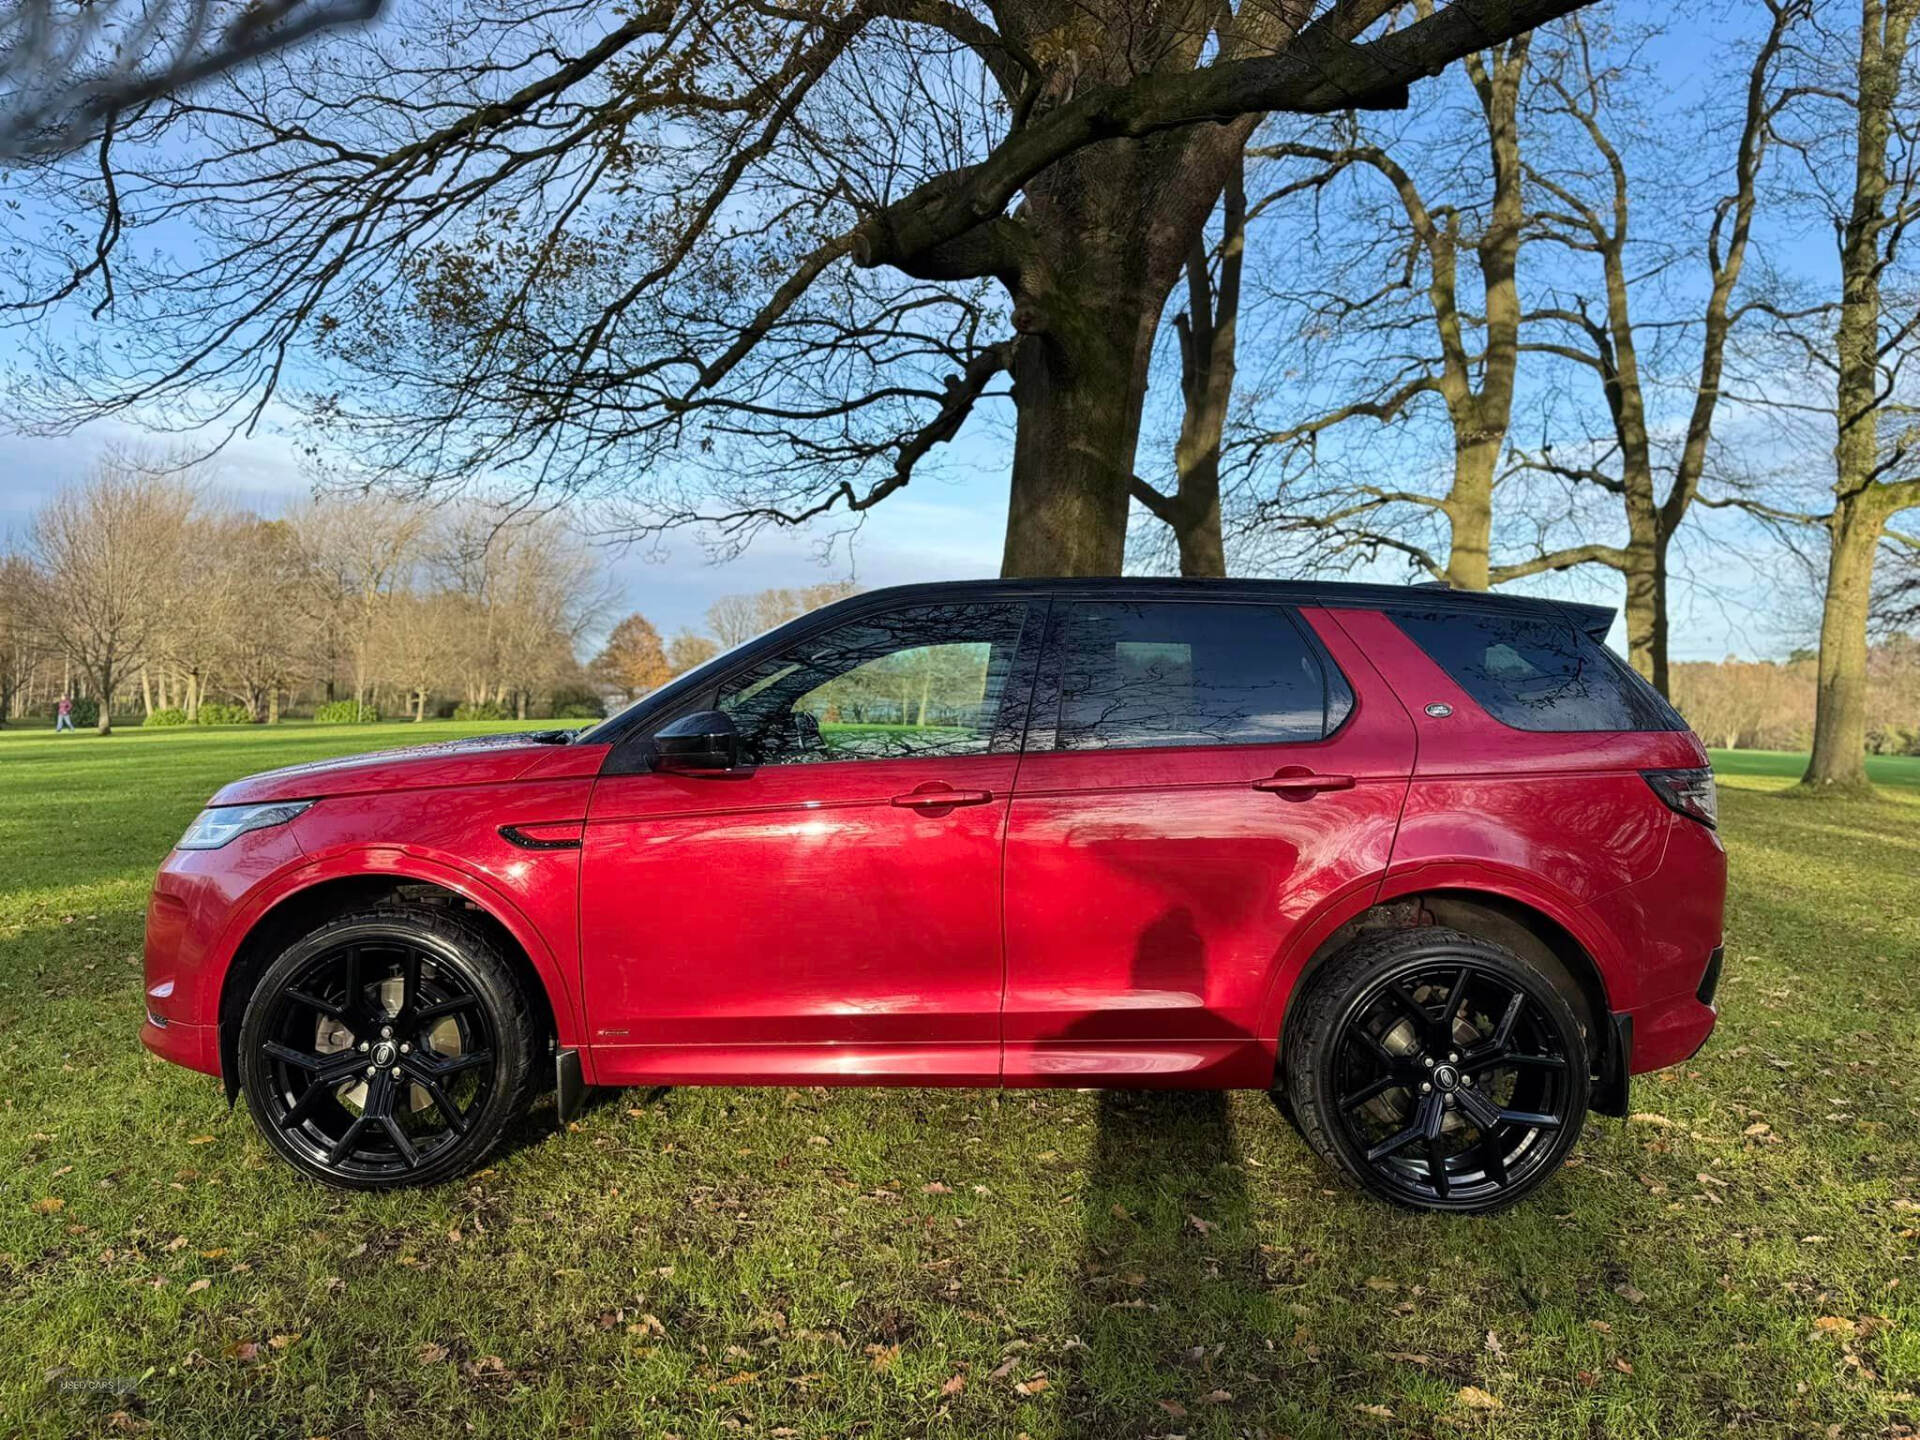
{"points": [[213, 828]]}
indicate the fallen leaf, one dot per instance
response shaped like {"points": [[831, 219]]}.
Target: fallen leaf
{"points": [[432, 1354], [954, 1386], [281, 1342], [883, 1355], [1622, 1366], [934, 1187], [1216, 1397], [201, 1140], [1173, 1408], [1205, 1227], [1759, 1127], [242, 1350], [1835, 1325], [1474, 1398], [1630, 1293], [197, 1286], [52, 1205], [1034, 1386], [1379, 1412]]}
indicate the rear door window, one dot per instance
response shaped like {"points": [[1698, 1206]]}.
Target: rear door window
{"points": [[1536, 672], [1189, 673]]}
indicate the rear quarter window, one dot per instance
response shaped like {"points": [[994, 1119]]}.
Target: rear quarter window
{"points": [[1538, 672]]}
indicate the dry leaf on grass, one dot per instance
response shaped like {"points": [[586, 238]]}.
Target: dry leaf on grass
{"points": [[1474, 1398]]}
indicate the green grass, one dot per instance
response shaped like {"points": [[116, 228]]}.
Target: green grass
{"points": [[806, 1263], [1900, 772]]}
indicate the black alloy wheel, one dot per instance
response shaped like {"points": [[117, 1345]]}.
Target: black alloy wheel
{"points": [[1438, 1070], [387, 1048]]}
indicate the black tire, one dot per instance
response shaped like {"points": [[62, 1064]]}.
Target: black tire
{"points": [[426, 993], [1437, 1070]]}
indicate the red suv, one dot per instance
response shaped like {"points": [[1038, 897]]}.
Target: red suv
{"points": [[1434, 867]]}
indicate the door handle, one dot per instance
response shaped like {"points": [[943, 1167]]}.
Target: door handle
{"points": [[942, 798], [1299, 782]]}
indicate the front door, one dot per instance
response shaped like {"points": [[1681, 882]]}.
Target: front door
{"points": [[1200, 778], [831, 909]]}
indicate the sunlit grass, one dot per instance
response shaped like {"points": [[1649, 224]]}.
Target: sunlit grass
{"points": [[1739, 1260]]}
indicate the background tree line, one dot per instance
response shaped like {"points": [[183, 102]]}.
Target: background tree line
{"points": [[1471, 289]]}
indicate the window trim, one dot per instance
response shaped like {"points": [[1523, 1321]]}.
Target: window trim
{"points": [[632, 752], [1049, 690]]}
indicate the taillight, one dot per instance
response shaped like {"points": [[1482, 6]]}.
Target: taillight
{"points": [[1691, 792]]}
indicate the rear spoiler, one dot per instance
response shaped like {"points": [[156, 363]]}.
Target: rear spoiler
{"points": [[1595, 620]]}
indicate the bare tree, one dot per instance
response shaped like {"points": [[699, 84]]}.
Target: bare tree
{"points": [[19, 639], [105, 547], [67, 71], [1585, 206], [1425, 331], [1207, 331], [625, 251], [1875, 147]]}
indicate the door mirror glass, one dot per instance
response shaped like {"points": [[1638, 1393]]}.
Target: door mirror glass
{"points": [[703, 743]]}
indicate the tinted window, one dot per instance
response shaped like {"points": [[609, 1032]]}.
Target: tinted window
{"points": [[1187, 674], [1538, 672], [925, 681]]}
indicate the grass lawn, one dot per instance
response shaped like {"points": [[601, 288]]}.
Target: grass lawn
{"points": [[1739, 1259]]}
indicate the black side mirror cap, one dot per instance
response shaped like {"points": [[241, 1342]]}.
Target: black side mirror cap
{"points": [[703, 743]]}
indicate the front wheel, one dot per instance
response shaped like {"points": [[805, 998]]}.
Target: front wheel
{"points": [[387, 1048], [1437, 1070]]}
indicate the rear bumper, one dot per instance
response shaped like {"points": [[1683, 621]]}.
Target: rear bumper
{"points": [[195, 1046]]}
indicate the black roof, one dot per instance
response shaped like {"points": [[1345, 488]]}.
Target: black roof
{"points": [[1334, 594]]}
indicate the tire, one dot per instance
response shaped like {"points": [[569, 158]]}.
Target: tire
{"points": [[1436, 1070], [388, 1048]]}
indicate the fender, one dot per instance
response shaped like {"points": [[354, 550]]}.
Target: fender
{"points": [[1468, 877], [360, 862]]}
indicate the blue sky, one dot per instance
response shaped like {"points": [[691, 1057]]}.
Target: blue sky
{"points": [[950, 522]]}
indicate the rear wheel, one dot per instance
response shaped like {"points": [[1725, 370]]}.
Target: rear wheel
{"points": [[387, 1048], [1437, 1070]]}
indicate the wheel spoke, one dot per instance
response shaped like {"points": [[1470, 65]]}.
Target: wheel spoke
{"points": [[455, 1117], [401, 1143], [454, 1064], [343, 1147], [1455, 997], [302, 1109], [304, 1059], [326, 1007], [440, 1009], [1531, 1119], [1536, 1062], [1494, 1161], [1503, 1032], [1371, 1090], [1437, 1167], [1428, 1116], [1480, 1110], [1423, 1017]]}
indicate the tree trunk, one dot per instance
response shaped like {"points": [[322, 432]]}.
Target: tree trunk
{"points": [[273, 705], [146, 694], [1470, 508], [1078, 402], [106, 678], [1645, 609], [1839, 760]]}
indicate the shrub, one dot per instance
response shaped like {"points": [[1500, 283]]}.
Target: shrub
{"points": [[485, 710], [346, 712], [578, 703], [86, 712], [172, 715], [216, 714]]}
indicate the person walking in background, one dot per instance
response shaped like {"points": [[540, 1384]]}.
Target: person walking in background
{"points": [[63, 714]]}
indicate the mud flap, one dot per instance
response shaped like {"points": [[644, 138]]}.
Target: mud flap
{"points": [[569, 1090]]}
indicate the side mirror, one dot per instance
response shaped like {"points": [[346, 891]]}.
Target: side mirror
{"points": [[703, 743]]}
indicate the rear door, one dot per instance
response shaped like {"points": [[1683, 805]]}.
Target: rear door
{"points": [[1200, 779]]}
